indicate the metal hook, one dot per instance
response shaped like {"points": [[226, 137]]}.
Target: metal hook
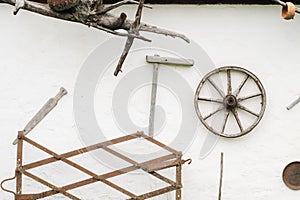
{"points": [[189, 161], [6, 190]]}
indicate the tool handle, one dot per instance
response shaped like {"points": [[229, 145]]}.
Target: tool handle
{"points": [[48, 106]]}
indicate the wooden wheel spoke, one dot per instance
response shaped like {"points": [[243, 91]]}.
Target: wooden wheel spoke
{"points": [[238, 90], [210, 100], [216, 87], [249, 97], [229, 88], [247, 110], [216, 111], [236, 116], [225, 121]]}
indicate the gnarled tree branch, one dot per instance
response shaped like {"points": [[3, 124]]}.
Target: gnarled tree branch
{"points": [[93, 13]]}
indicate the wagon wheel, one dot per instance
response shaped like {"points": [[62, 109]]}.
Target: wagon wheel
{"points": [[230, 102]]}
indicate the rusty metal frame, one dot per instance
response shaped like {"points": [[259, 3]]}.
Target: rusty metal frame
{"points": [[174, 159]]}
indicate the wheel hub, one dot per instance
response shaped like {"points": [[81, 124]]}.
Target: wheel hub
{"points": [[230, 102]]}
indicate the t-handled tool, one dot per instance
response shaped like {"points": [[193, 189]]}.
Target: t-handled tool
{"points": [[156, 60], [49, 105]]}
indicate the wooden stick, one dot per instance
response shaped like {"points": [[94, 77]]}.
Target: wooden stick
{"points": [[41, 114]]}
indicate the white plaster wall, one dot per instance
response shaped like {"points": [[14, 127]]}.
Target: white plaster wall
{"points": [[38, 55]]}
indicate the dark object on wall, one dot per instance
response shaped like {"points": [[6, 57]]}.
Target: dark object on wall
{"points": [[62, 5], [172, 159], [230, 101], [291, 175]]}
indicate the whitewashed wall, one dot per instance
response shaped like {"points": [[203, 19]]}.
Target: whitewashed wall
{"points": [[38, 55]]}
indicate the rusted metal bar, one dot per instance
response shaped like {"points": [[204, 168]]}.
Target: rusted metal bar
{"points": [[178, 182], [155, 193], [56, 189], [119, 155], [119, 188], [27, 196], [157, 175], [160, 144], [162, 165], [145, 165], [166, 164], [19, 163], [78, 151]]}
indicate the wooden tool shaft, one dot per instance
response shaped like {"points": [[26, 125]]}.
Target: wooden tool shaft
{"points": [[156, 60], [49, 105], [153, 99]]}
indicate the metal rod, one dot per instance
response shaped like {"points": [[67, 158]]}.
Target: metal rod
{"points": [[293, 103], [154, 193], [157, 175], [178, 182], [221, 177], [177, 153], [19, 163]]}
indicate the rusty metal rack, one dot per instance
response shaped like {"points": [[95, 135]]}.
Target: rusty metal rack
{"points": [[173, 159]]}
